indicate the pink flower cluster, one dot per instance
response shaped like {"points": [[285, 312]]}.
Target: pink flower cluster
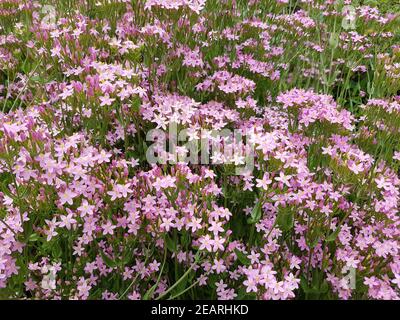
{"points": [[84, 214]]}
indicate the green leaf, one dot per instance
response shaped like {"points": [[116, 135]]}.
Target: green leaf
{"points": [[145, 147], [128, 256], [182, 285], [107, 260], [149, 292], [56, 250], [243, 295], [333, 235], [171, 245], [313, 290], [324, 287], [33, 237], [38, 79], [256, 213], [304, 285], [285, 220], [242, 257], [312, 240], [136, 104]]}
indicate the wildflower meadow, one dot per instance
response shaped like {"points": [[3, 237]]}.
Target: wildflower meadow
{"points": [[200, 149]]}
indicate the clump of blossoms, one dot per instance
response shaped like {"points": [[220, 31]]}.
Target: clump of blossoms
{"points": [[296, 113]]}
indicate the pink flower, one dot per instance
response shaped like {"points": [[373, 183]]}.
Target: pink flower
{"points": [[86, 208], [264, 182], [205, 243], [67, 197], [67, 221], [108, 228], [284, 179], [106, 101]]}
